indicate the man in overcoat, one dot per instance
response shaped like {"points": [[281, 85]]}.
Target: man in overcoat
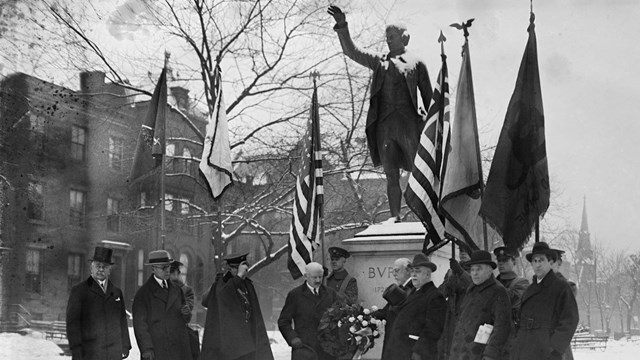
{"points": [[161, 315], [548, 313], [96, 319], [340, 280], [395, 116], [420, 319], [304, 307], [234, 329], [485, 302], [189, 297]]}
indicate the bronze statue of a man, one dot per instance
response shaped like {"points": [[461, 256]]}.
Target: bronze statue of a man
{"points": [[395, 118]]}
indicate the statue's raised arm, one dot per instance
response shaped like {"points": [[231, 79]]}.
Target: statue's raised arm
{"points": [[395, 116]]}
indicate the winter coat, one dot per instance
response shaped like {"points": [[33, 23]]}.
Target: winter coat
{"points": [[421, 315], [486, 303], [158, 322], [305, 310], [453, 288], [96, 322], [335, 280], [389, 313], [548, 319], [415, 74], [234, 328], [516, 286]]}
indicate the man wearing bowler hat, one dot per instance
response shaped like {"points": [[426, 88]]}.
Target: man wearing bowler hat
{"points": [[548, 313], [234, 329], [96, 318], [160, 314], [340, 280], [486, 302], [420, 319]]}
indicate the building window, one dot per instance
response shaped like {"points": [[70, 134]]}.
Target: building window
{"points": [[77, 208], [168, 202], [37, 123], [140, 267], [143, 199], [74, 269], [113, 219], [186, 161], [35, 201], [184, 259], [33, 277], [116, 152], [78, 142]]}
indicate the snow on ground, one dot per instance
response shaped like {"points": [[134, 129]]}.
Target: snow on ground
{"points": [[33, 346]]}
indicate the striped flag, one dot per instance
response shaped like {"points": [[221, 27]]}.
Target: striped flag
{"points": [[423, 190], [307, 204], [215, 162]]}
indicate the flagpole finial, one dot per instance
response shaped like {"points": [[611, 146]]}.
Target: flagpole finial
{"points": [[167, 55], [441, 40], [464, 27], [314, 75]]}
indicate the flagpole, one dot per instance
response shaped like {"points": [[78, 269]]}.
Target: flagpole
{"points": [[315, 75], [163, 169]]}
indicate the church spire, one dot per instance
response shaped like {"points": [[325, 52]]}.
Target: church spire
{"points": [[584, 241], [584, 227]]}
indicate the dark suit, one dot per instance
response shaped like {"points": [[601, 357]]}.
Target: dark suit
{"points": [[96, 322], [548, 319], [389, 313], [335, 280], [305, 310], [421, 314], [158, 322]]}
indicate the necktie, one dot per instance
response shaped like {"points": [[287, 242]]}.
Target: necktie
{"points": [[103, 286], [164, 284], [315, 292]]}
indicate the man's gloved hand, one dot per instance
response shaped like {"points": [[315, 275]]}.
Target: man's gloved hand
{"points": [[243, 268], [416, 356], [184, 309], [147, 355], [455, 267], [125, 354], [296, 343], [337, 14]]}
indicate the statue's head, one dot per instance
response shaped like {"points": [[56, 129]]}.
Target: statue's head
{"points": [[397, 37]]}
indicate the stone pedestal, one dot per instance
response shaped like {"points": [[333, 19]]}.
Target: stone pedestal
{"points": [[373, 252]]}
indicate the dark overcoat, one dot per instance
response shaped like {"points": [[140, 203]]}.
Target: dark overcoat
{"points": [[335, 280], [97, 322], [304, 310], [486, 303], [415, 74], [420, 315], [453, 288], [516, 286], [548, 319], [158, 322], [389, 313], [234, 330]]}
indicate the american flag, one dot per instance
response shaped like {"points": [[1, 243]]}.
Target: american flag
{"points": [[423, 191], [307, 204]]}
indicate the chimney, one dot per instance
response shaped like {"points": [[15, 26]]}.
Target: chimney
{"points": [[181, 96], [91, 81]]}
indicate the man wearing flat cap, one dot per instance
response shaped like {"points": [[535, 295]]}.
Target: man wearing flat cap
{"points": [[96, 318], [486, 302], [234, 329], [160, 314], [548, 313], [340, 280], [420, 319]]}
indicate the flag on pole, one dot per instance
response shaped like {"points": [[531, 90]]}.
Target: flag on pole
{"points": [[462, 173], [517, 190], [215, 162], [423, 190], [308, 198], [151, 140]]}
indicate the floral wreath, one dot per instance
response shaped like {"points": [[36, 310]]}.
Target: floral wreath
{"points": [[345, 330]]}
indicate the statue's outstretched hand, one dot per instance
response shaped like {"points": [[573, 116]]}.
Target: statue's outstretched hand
{"points": [[337, 14]]}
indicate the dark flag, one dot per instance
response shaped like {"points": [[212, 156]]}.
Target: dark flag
{"points": [[151, 141], [423, 190], [517, 190], [308, 199]]}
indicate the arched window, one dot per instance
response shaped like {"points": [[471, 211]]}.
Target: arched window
{"points": [[184, 259]]}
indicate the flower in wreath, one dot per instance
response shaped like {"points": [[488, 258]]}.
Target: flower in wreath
{"points": [[348, 329]]}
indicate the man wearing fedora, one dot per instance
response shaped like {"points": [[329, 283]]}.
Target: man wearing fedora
{"points": [[548, 313], [234, 329], [160, 314], [96, 318], [485, 302], [556, 265], [340, 280], [420, 319]]}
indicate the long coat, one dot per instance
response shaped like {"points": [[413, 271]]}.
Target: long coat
{"points": [[422, 315], [96, 322], [548, 319], [234, 329], [335, 280], [486, 303], [415, 74], [516, 286], [305, 310], [158, 322], [453, 288], [389, 313]]}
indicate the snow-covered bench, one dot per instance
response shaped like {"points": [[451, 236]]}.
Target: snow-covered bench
{"points": [[589, 342]]}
